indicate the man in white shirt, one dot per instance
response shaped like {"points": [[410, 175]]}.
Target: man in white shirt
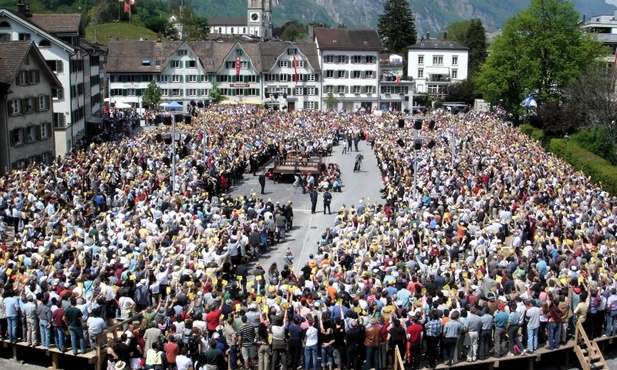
{"points": [[533, 324], [182, 360]]}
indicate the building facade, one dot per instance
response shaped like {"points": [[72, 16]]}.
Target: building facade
{"points": [[258, 21], [349, 60], [278, 74], [26, 112], [435, 64], [395, 89], [59, 37]]}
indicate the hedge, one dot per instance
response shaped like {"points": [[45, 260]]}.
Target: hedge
{"points": [[600, 170]]}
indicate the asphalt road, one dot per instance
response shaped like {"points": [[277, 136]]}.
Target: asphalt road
{"points": [[308, 228]]}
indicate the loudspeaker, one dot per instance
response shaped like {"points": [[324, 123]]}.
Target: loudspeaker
{"points": [[267, 95], [276, 96], [167, 139], [188, 139], [401, 123], [167, 120], [417, 125], [284, 95], [206, 103], [431, 125], [430, 144], [178, 118], [187, 120], [401, 143], [158, 119], [417, 145], [193, 103], [158, 138], [200, 104], [406, 111]]}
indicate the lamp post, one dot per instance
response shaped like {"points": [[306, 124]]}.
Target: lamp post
{"points": [[565, 141]]}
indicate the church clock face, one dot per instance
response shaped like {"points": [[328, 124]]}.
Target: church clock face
{"points": [[254, 16]]}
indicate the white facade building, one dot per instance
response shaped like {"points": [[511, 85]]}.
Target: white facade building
{"points": [[58, 37], [258, 21], [435, 64], [349, 61], [187, 71]]}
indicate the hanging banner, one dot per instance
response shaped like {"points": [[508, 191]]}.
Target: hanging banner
{"points": [[237, 66]]}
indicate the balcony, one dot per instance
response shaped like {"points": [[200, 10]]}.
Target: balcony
{"points": [[389, 78]]}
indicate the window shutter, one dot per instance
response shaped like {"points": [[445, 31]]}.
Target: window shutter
{"points": [[39, 132], [304, 91], [60, 93], [59, 66], [9, 107], [316, 91], [11, 138], [47, 102], [23, 105]]}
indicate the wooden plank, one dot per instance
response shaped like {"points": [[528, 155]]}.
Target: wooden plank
{"points": [[55, 360]]}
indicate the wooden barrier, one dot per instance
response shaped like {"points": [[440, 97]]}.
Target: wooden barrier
{"points": [[399, 364], [113, 331]]}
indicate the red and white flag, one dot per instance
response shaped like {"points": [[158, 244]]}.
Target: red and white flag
{"points": [[295, 64], [237, 66]]}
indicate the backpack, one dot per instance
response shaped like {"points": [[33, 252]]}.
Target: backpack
{"points": [[194, 341]]}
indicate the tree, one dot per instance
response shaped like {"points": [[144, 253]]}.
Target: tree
{"points": [[538, 51], [157, 24], [216, 94], [291, 31], [396, 26], [152, 96], [331, 101], [475, 40], [192, 27], [457, 31]]}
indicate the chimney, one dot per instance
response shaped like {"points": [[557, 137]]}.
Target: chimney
{"points": [[445, 35], [428, 36], [21, 8], [158, 36], [28, 12], [311, 32]]}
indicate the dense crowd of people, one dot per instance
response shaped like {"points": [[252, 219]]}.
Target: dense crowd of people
{"points": [[492, 248]]}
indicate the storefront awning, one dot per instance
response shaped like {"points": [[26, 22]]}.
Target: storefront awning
{"points": [[438, 70]]}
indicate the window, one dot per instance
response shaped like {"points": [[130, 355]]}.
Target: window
{"points": [[310, 91], [420, 59], [438, 60], [238, 52], [59, 120], [231, 30], [5, 24], [176, 92], [29, 104], [31, 134], [192, 92], [163, 78], [310, 105], [284, 77], [191, 78], [357, 89], [370, 59], [356, 59], [45, 130], [182, 52], [176, 78], [357, 74], [341, 74], [329, 89], [164, 92], [386, 90], [24, 37], [342, 59], [299, 91], [56, 65], [130, 92], [22, 78], [15, 107], [341, 89], [300, 63], [329, 73], [18, 136], [328, 58], [43, 102], [35, 77], [58, 93], [292, 51], [454, 73], [204, 78], [369, 89], [283, 63], [310, 77], [145, 62], [369, 74], [190, 64], [175, 64], [454, 60], [420, 73]]}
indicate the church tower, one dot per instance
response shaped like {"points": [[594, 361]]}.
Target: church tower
{"points": [[259, 18]]}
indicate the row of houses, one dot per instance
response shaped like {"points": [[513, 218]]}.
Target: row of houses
{"points": [[54, 84]]}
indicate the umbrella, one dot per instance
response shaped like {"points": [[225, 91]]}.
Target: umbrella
{"points": [[173, 106]]}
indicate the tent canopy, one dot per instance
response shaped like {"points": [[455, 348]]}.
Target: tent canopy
{"points": [[173, 106], [122, 105]]}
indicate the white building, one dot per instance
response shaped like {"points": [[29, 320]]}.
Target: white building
{"points": [[277, 74], [59, 39], [395, 89], [604, 27], [349, 61], [435, 64], [258, 21]]}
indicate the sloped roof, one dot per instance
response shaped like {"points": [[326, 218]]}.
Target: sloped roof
{"points": [[12, 55], [347, 39], [127, 56], [215, 22], [310, 51], [438, 45], [58, 23]]}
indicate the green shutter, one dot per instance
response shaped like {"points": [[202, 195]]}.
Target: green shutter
{"points": [[11, 138], [124, 92], [48, 101]]}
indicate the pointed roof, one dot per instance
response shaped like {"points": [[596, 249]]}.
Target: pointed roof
{"points": [[58, 23], [128, 56], [438, 45], [12, 55]]}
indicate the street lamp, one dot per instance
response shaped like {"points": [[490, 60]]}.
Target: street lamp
{"points": [[565, 141]]}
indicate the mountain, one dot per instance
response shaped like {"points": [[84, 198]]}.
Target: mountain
{"points": [[431, 15]]}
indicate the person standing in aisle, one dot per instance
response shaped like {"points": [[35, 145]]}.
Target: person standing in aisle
{"points": [[313, 194], [327, 199], [262, 182]]}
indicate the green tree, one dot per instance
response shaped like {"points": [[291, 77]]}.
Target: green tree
{"points": [[331, 101], [192, 27], [152, 96], [539, 50], [157, 24], [396, 26], [216, 94], [475, 40], [457, 31], [292, 31]]}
